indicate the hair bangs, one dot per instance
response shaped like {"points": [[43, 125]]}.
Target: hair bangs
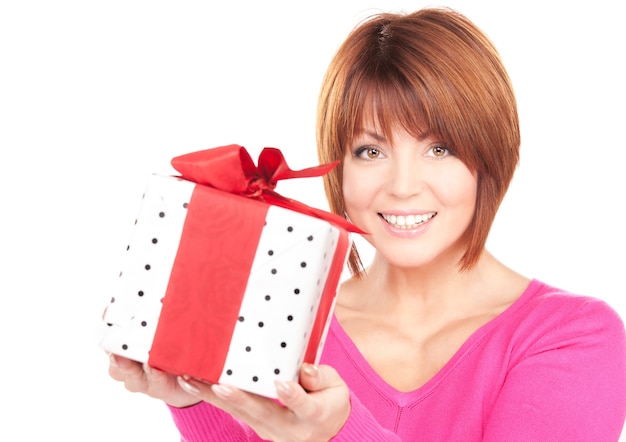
{"points": [[435, 75], [385, 101]]}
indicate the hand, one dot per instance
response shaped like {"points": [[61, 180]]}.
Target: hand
{"points": [[141, 378], [314, 410]]}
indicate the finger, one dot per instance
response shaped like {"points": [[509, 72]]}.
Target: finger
{"points": [[120, 367], [269, 419], [294, 397], [242, 405], [130, 372], [191, 387], [318, 377], [153, 375], [262, 414], [319, 386]]}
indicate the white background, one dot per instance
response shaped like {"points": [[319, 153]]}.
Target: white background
{"points": [[96, 95]]}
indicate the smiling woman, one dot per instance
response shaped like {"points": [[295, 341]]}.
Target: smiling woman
{"points": [[123, 86], [435, 339], [463, 100], [408, 179]]}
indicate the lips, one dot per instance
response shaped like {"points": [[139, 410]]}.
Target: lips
{"points": [[407, 222]]}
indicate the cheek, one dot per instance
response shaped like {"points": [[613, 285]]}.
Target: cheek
{"points": [[458, 188], [351, 191], [454, 186], [357, 189]]}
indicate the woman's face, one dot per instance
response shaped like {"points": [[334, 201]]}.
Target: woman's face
{"points": [[414, 197]]}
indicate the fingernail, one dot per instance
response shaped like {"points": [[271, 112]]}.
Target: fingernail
{"points": [[187, 386], [284, 389], [113, 360], [146, 368], [222, 391], [310, 370]]}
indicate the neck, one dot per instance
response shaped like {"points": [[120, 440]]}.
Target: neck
{"points": [[438, 287]]}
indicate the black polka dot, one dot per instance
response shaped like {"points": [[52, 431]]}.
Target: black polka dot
{"points": [[185, 205], [283, 344], [274, 271], [248, 348], [296, 291], [147, 267], [290, 318], [128, 247], [125, 347], [303, 264], [310, 237], [112, 300], [255, 378], [276, 371], [268, 297], [154, 240], [270, 252], [161, 214], [289, 229], [241, 319], [140, 293], [261, 324], [229, 372], [144, 323]]}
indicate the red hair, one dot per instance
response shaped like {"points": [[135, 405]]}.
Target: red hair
{"points": [[435, 74]]}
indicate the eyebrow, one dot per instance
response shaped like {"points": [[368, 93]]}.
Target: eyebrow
{"points": [[374, 135]]}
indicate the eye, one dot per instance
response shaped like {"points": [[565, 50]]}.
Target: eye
{"points": [[368, 153], [438, 151]]}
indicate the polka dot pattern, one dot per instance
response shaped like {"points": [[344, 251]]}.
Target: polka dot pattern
{"points": [[131, 317], [280, 302]]}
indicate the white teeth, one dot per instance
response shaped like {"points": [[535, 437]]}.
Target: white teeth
{"points": [[409, 221]]}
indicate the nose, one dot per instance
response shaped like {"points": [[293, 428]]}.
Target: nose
{"points": [[405, 179]]}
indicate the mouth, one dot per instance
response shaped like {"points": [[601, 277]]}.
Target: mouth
{"points": [[407, 222]]}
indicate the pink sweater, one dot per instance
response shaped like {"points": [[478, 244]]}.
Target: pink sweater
{"points": [[552, 367]]}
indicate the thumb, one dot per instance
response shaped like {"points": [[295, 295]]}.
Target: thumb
{"points": [[318, 377]]}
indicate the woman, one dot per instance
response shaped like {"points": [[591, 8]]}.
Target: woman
{"points": [[435, 339]]}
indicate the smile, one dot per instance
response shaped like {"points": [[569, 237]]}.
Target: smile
{"points": [[408, 221]]}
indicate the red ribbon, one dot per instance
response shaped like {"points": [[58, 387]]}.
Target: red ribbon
{"points": [[210, 272], [231, 169]]}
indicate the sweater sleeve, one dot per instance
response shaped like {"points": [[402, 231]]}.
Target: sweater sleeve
{"points": [[570, 385], [203, 422], [361, 425]]}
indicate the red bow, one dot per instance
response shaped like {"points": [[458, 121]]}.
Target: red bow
{"points": [[231, 169]]}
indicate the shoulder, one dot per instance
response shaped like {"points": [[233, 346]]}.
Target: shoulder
{"points": [[547, 301], [550, 316], [564, 367]]}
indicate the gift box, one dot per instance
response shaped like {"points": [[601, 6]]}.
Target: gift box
{"points": [[224, 279]]}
